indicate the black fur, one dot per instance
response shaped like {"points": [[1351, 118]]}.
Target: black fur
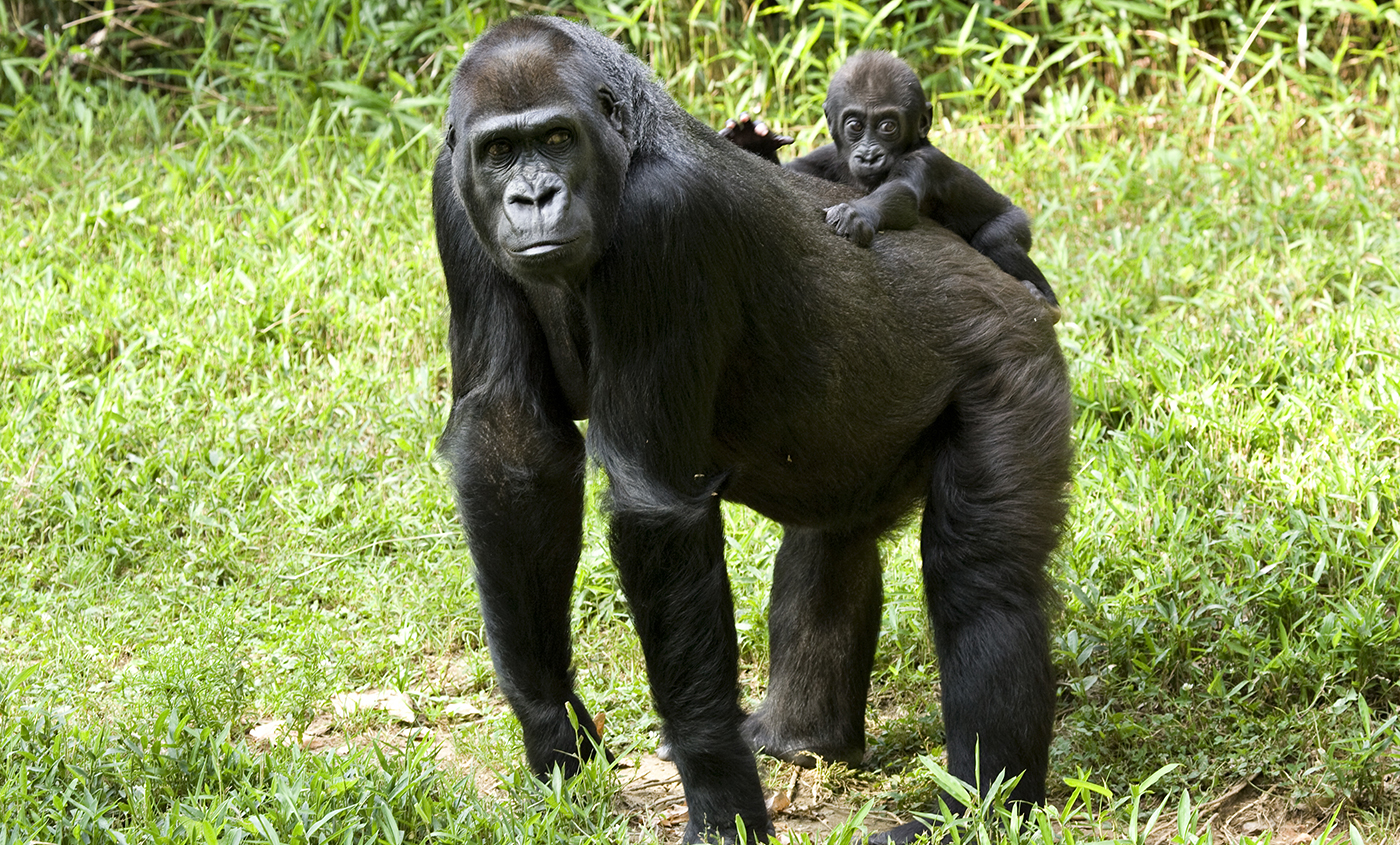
{"points": [[607, 255], [879, 123]]}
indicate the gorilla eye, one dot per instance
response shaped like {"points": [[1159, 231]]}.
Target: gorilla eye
{"points": [[889, 127], [855, 127], [498, 149], [558, 137]]}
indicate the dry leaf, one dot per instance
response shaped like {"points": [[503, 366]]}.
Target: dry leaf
{"points": [[461, 710], [783, 798], [778, 802], [278, 732], [679, 814], [395, 703], [269, 732]]}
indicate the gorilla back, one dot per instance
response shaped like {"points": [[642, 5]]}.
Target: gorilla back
{"points": [[608, 256]]}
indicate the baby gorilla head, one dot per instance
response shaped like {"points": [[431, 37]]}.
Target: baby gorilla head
{"points": [[876, 112]]}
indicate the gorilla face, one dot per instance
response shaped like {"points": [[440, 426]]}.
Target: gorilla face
{"points": [[540, 163], [871, 140], [876, 112]]}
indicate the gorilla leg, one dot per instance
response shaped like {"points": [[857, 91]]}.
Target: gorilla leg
{"points": [[672, 566], [1006, 239], [993, 515], [823, 623], [519, 481]]}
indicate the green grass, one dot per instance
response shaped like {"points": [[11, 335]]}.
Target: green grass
{"points": [[222, 374]]}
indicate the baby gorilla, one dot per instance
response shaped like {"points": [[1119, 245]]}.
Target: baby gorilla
{"points": [[879, 121]]}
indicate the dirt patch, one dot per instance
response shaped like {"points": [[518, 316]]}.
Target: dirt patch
{"points": [[800, 801], [1247, 810], [651, 795], [649, 788]]}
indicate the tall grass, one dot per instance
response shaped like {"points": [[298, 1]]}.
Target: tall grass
{"points": [[384, 60]]}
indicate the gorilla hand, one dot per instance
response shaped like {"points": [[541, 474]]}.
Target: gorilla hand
{"points": [[851, 222]]}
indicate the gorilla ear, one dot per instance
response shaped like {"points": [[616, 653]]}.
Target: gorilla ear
{"points": [[615, 112], [926, 120], [450, 137]]}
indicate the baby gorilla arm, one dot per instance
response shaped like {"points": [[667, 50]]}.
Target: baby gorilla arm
{"points": [[954, 196], [893, 205]]}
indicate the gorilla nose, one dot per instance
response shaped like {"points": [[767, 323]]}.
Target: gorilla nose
{"points": [[538, 202], [537, 193]]}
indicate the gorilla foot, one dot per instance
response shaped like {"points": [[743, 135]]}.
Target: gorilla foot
{"points": [[756, 835], [1052, 307], [804, 753], [755, 136], [565, 741]]}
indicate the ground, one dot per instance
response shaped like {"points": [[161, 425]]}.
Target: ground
{"points": [[802, 801]]}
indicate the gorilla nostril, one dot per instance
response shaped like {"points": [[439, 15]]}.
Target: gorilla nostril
{"points": [[535, 196], [534, 190]]}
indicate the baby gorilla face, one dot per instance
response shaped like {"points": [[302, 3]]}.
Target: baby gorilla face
{"points": [[876, 112], [871, 141]]}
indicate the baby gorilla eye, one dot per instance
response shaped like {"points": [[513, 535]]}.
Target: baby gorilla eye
{"points": [[889, 128], [854, 127]]}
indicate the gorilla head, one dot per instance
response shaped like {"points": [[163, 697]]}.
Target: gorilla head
{"points": [[876, 112], [539, 152]]}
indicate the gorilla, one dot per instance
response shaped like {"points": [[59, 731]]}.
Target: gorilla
{"points": [[609, 257], [879, 123]]}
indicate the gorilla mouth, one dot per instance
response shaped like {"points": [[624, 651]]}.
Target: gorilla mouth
{"points": [[542, 249], [869, 172]]}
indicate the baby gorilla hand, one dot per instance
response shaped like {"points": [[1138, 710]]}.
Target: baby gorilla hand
{"points": [[852, 223]]}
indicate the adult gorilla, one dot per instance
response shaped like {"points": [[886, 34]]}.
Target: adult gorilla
{"points": [[608, 256]]}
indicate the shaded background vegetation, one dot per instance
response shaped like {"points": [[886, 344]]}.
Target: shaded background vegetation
{"points": [[384, 59]]}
